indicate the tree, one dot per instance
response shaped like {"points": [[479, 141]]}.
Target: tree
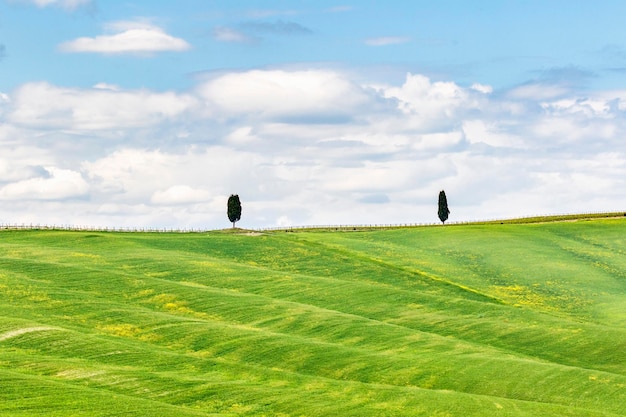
{"points": [[234, 209], [443, 207]]}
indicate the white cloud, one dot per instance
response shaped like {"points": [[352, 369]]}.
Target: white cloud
{"points": [[316, 146], [584, 106], [136, 175], [538, 91], [42, 105], [105, 86], [242, 136], [287, 95], [19, 161], [387, 40], [420, 95], [485, 89], [432, 107], [5, 100], [128, 37], [66, 4], [180, 194], [59, 184], [478, 131], [438, 141], [374, 177], [226, 34]]}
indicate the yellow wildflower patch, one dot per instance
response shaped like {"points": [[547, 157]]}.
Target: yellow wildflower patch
{"points": [[522, 296], [24, 292], [129, 331], [87, 255], [170, 303]]}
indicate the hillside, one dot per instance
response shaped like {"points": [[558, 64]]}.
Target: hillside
{"points": [[475, 320]]}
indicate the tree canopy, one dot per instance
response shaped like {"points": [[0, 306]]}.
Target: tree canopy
{"points": [[234, 209], [443, 207]]}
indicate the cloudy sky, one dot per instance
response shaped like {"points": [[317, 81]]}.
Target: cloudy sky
{"points": [[152, 112]]}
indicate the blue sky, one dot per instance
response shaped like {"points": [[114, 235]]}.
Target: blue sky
{"points": [[495, 42], [315, 112]]}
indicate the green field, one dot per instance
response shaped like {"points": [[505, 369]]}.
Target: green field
{"points": [[472, 320]]}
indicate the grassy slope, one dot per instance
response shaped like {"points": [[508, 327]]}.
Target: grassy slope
{"points": [[508, 320]]}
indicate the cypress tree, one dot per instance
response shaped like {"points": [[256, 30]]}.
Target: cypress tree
{"points": [[234, 209], [443, 207]]}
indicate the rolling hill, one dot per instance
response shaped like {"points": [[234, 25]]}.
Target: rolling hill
{"points": [[471, 320]]}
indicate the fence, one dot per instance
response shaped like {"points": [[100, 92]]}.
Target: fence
{"points": [[342, 227], [78, 228], [524, 219]]}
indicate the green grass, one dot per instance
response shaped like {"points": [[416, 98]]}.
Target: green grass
{"points": [[472, 320]]}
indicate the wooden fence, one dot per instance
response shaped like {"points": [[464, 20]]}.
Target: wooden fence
{"points": [[342, 227]]}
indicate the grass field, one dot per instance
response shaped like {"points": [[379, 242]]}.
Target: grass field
{"points": [[476, 320]]}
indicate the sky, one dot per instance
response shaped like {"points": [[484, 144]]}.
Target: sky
{"points": [[150, 113]]}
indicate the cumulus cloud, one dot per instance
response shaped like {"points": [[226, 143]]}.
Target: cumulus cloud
{"points": [[4, 105], [128, 37], [106, 86], [433, 105], [42, 105], [480, 131], [141, 175], [180, 194], [485, 89], [419, 94], [314, 146], [539, 91], [57, 184], [310, 95]]}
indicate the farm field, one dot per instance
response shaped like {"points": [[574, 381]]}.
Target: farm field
{"points": [[471, 320]]}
